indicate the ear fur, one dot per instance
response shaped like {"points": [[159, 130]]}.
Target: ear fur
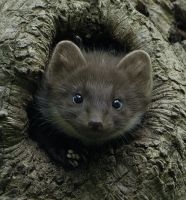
{"points": [[65, 58], [137, 66]]}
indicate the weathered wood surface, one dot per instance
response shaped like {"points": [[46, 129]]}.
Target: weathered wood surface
{"points": [[152, 167]]}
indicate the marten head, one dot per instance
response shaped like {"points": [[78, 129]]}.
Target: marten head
{"points": [[95, 96]]}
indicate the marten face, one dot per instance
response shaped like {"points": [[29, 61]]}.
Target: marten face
{"points": [[99, 98]]}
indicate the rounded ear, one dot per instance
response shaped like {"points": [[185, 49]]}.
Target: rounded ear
{"points": [[137, 66], [66, 58]]}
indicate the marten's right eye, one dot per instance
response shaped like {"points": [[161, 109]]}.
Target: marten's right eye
{"points": [[77, 98]]}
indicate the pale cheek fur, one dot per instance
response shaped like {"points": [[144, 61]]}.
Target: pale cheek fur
{"points": [[131, 123]]}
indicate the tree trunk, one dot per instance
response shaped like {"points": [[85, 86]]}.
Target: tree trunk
{"points": [[152, 166]]}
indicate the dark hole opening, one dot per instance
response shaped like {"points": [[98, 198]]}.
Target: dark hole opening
{"points": [[177, 34], [178, 31], [142, 8], [96, 40]]}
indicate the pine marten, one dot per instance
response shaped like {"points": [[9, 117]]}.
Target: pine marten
{"points": [[92, 96]]}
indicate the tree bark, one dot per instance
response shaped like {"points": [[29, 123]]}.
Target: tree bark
{"points": [[153, 166]]}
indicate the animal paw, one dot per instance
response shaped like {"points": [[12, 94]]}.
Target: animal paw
{"points": [[73, 158]]}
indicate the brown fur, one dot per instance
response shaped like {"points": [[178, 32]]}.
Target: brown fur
{"points": [[100, 78]]}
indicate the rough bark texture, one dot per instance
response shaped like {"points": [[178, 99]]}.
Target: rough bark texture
{"points": [[151, 167]]}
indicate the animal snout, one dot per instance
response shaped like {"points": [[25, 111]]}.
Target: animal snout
{"points": [[95, 125]]}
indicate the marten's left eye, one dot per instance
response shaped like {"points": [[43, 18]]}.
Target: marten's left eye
{"points": [[77, 98], [117, 104]]}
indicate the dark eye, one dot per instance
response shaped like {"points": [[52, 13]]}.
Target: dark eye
{"points": [[117, 104], [77, 98]]}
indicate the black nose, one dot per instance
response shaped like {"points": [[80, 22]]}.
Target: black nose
{"points": [[95, 125]]}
